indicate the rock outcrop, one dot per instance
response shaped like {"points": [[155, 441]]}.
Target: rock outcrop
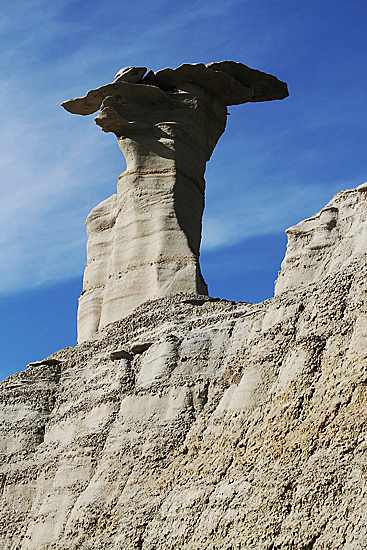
{"points": [[326, 243], [143, 242], [197, 423]]}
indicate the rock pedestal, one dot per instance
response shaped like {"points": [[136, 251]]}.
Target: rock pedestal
{"points": [[143, 242]]}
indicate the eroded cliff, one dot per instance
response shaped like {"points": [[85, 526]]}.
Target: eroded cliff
{"points": [[198, 423]]}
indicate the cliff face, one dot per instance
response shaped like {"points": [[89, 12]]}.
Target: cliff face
{"points": [[199, 423], [327, 242]]}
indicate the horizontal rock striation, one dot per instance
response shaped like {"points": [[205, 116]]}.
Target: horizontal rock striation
{"points": [[198, 423], [327, 242], [144, 242]]}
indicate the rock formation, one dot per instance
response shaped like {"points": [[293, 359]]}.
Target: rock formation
{"points": [[196, 423], [327, 242], [143, 242]]}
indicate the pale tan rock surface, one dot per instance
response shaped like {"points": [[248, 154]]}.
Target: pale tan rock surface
{"points": [[330, 240], [143, 242], [198, 424]]}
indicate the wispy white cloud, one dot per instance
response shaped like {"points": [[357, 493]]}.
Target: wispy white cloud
{"points": [[258, 214]]}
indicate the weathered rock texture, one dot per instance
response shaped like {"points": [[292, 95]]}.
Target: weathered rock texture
{"points": [[143, 242], [202, 424], [327, 242]]}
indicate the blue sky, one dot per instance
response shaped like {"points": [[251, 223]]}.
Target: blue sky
{"points": [[277, 163]]}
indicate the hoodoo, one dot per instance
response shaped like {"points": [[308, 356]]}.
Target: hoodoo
{"points": [[144, 241]]}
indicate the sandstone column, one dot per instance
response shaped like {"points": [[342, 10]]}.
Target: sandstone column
{"points": [[143, 242]]}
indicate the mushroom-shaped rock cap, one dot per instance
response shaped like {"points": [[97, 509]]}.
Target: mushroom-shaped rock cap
{"points": [[230, 82], [233, 83]]}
